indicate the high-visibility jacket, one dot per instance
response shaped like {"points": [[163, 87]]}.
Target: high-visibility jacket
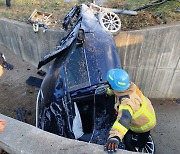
{"points": [[1, 70], [135, 112]]}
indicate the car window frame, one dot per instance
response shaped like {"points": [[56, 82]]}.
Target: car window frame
{"points": [[80, 85]]}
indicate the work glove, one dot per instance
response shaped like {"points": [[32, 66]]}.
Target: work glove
{"points": [[7, 66], [113, 144], [109, 91], [4, 64]]}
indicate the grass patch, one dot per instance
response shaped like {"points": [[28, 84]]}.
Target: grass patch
{"points": [[159, 14], [21, 9], [165, 13]]}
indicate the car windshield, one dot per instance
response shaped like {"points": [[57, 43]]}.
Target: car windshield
{"points": [[76, 69]]}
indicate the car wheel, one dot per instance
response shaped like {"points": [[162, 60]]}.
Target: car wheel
{"points": [[110, 22], [149, 147]]}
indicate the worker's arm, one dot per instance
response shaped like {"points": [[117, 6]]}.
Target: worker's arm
{"points": [[119, 128], [122, 123]]}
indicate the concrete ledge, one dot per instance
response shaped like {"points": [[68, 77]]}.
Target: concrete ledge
{"points": [[22, 138]]}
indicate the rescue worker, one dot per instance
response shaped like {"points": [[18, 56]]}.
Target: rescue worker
{"points": [[8, 3], [136, 116], [2, 125], [3, 64]]}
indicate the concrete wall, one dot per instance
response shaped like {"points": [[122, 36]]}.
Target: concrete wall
{"points": [[22, 138], [151, 56], [24, 42]]}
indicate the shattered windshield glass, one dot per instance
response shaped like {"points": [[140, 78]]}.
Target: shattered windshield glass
{"points": [[76, 69]]}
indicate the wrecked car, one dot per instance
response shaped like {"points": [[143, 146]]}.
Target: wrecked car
{"points": [[77, 77]]}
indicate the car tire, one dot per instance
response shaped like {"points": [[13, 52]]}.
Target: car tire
{"points": [[149, 147]]}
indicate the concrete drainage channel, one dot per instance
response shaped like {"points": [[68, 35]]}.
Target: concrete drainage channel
{"points": [[150, 56], [167, 111], [20, 137], [12, 84]]}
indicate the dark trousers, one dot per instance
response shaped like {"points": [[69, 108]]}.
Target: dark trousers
{"points": [[132, 139], [8, 3]]}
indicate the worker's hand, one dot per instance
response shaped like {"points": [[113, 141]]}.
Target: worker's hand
{"points": [[109, 91], [2, 125], [113, 144], [8, 66], [2, 59], [4, 64]]}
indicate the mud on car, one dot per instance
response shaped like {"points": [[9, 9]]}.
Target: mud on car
{"points": [[78, 76]]}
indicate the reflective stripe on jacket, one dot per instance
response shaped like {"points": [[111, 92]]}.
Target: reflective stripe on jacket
{"points": [[139, 107]]}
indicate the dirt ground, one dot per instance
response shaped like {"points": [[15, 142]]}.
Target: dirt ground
{"points": [[15, 93]]}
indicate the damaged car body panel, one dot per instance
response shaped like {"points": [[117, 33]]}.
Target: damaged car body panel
{"points": [[78, 74]]}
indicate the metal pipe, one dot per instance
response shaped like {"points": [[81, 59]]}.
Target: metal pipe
{"points": [[120, 11]]}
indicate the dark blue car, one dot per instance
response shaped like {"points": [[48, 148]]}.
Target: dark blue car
{"points": [[72, 99], [78, 74]]}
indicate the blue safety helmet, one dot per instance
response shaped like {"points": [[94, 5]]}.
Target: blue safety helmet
{"points": [[118, 79]]}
